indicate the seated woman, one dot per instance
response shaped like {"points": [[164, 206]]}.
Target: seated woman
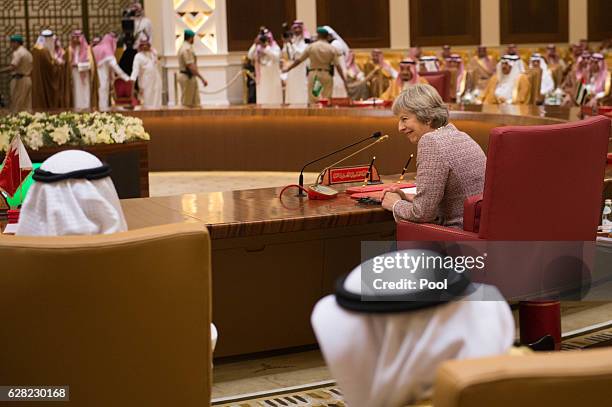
{"points": [[450, 164]]}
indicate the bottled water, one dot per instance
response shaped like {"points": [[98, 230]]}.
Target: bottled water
{"points": [[606, 216]]}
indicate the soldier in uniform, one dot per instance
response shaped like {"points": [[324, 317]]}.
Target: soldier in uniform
{"points": [[20, 69], [323, 57], [188, 72]]}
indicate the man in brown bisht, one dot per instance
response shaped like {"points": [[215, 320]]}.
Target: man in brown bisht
{"points": [[556, 64], [20, 69], [81, 75], [482, 67], [379, 73], [323, 57], [48, 82]]}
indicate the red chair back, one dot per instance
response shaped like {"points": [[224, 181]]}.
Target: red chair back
{"points": [[439, 80], [123, 93], [545, 182]]}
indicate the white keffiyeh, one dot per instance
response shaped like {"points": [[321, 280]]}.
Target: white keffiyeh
{"points": [[71, 206], [390, 359]]}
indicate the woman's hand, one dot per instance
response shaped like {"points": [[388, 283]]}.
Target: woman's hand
{"points": [[392, 188], [389, 199], [396, 189]]}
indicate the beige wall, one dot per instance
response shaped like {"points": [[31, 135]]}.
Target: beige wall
{"points": [[489, 23], [578, 20]]}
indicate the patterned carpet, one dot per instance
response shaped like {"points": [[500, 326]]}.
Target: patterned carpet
{"points": [[327, 394], [317, 395]]}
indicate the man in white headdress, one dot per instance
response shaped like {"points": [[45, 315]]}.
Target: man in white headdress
{"points": [[339, 90], [82, 74], [547, 83], [296, 90], [508, 85], [265, 54], [142, 23], [429, 63], [383, 346], [73, 195], [513, 51], [146, 71]]}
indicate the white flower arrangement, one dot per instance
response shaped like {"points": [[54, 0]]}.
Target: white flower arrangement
{"points": [[51, 130]]}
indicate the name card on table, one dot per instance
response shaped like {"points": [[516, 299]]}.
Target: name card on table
{"points": [[343, 175]]}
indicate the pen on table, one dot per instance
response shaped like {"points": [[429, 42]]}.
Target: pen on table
{"points": [[367, 177], [401, 178]]}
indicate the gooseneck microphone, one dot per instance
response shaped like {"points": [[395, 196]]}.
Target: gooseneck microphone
{"points": [[375, 135]]}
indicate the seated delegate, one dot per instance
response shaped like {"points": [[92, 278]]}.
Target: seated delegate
{"points": [[450, 164]]}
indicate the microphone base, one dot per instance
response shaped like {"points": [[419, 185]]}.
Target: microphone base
{"points": [[375, 182]]}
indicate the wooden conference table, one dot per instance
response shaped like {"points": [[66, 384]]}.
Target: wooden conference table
{"points": [[271, 260]]}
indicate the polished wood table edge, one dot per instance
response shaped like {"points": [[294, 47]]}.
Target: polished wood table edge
{"points": [[363, 214], [293, 214], [465, 112]]}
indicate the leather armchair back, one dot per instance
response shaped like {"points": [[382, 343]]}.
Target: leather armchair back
{"points": [[521, 201], [123, 319]]}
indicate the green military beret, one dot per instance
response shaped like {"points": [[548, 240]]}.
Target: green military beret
{"points": [[16, 38]]}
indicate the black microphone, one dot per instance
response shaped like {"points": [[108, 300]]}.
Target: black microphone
{"points": [[374, 135]]}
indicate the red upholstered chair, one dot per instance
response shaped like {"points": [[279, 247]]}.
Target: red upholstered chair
{"points": [[542, 183], [441, 81], [123, 93]]}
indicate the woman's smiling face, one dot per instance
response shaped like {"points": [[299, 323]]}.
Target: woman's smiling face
{"points": [[412, 128]]}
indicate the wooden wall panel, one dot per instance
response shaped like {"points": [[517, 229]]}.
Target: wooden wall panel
{"points": [[244, 17], [531, 21], [600, 19], [361, 23], [453, 22]]}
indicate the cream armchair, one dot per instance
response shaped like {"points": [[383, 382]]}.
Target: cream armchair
{"points": [[124, 319]]}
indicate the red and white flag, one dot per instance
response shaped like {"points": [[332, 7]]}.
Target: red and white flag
{"points": [[16, 167]]}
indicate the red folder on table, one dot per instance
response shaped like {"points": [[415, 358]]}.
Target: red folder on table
{"points": [[376, 193], [378, 187]]}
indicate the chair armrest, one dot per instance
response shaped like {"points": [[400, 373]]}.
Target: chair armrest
{"points": [[471, 213], [551, 379], [427, 232]]}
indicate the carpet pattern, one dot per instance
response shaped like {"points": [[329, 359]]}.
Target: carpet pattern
{"points": [[318, 396]]}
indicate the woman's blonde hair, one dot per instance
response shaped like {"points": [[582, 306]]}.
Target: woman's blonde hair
{"points": [[424, 102]]}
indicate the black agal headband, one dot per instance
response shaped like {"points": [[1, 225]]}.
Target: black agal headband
{"points": [[88, 173], [457, 285]]}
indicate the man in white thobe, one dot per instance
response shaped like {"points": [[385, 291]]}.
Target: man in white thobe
{"points": [[265, 54], [142, 24], [146, 71], [296, 90], [81, 70]]}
